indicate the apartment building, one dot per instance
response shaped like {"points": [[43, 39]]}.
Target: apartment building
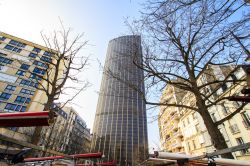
{"points": [[170, 133], [195, 137]]}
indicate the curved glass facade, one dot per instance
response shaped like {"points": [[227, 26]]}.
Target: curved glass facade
{"points": [[120, 126]]}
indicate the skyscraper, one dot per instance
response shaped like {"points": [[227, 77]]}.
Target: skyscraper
{"points": [[120, 127]]}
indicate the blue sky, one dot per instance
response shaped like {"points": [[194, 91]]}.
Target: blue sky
{"points": [[99, 20]]}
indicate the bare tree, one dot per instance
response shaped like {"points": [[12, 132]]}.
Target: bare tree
{"points": [[61, 64], [186, 40]]}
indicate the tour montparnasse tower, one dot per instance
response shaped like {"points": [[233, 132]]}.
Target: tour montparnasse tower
{"points": [[120, 127]]}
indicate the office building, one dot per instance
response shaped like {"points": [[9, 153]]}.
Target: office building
{"points": [[22, 66], [120, 126]]}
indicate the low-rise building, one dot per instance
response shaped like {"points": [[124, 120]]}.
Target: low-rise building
{"points": [[69, 134]]}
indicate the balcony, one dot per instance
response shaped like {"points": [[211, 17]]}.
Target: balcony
{"points": [[177, 134], [175, 116], [173, 125], [234, 129]]}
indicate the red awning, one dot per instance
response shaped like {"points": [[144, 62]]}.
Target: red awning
{"points": [[24, 119], [85, 155], [107, 163]]}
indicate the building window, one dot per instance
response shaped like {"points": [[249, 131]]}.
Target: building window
{"points": [[32, 55], [5, 96], [246, 119], [234, 128], [5, 60], [46, 59], [20, 72], [197, 128], [46, 53], [29, 83], [37, 50], [213, 117], [240, 142], [188, 146], [194, 116], [35, 77], [225, 110], [39, 71], [194, 144], [234, 78], [10, 88], [188, 122], [27, 91], [16, 43], [14, 107], [10, 106], [20, 99], [12, 48], [224, 87], [2, 38], [40, 64], [24, 66]]}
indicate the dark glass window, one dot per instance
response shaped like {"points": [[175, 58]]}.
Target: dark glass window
{"points": [[15, 107], [40, 64], [12, 48], [10, 88], [2, 38], [5, 96], [46, 59], [16, 43], [32, 55], [10, 106], [24, 66], [20, 72], [29, 83], [20, 99], [23, 109], [25, 91], [25, 82], [36, 49], [5, 60], [9, 47], [39, 71], [36, 77], [46, 53]]}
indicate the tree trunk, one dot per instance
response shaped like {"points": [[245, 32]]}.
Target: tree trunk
{"points": [[217, 138], [36, 136], [38, 129]]}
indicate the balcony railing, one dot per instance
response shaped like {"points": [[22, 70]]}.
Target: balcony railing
{"points": [[174, 116], [177, 134]]}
